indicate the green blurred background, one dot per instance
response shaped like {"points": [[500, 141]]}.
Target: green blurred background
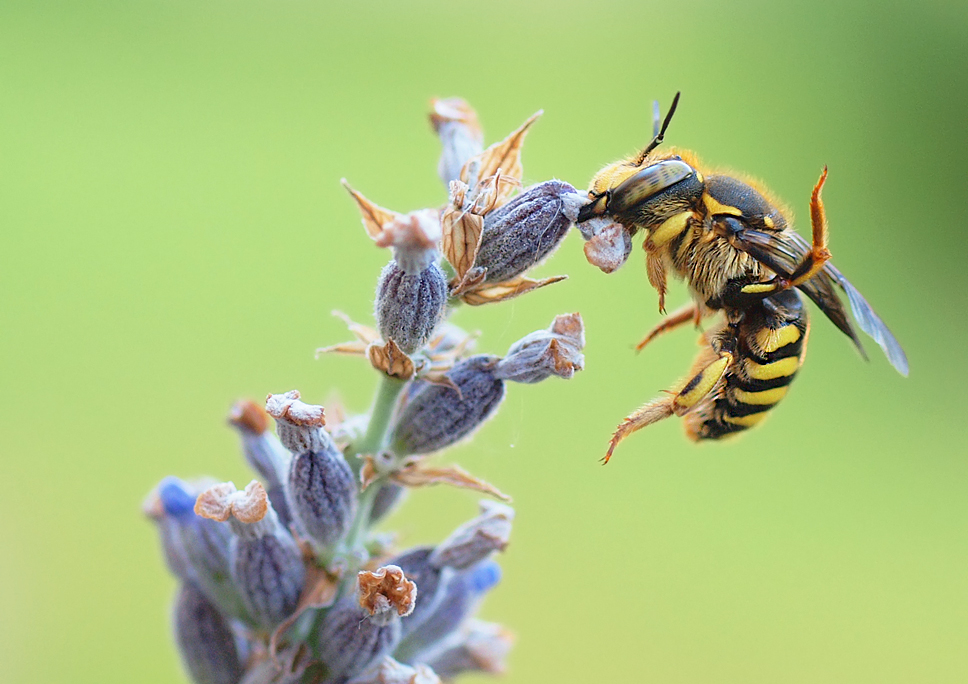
{"points": [[174, 237]]}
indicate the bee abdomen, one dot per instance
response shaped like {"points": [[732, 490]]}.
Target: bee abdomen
{"points": [[769, 351]]}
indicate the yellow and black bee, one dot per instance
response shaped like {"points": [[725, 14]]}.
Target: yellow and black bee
{"points": [[738, 253]]}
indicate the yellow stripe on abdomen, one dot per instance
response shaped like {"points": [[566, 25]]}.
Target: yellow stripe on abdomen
{"points": [[745, 421], [764, 398], [771, 371], [770, 339]]}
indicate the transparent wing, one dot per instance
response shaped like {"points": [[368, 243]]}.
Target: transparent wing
{"points": [[782, 252]]}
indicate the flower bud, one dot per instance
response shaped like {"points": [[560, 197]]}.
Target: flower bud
{"points": [[416, 564], [389, 671], [409, 306], [460, 135], [476, 539], [436, 416], [461, 596], [555, 351], [267, 566], [265, 453], [205, 640], [300, 425], [321, 489], [196, 549], [527, 229], [361, 629], [386, 500], [607, 244], [478, 647]]}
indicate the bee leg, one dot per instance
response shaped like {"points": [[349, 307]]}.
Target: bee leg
{"points": [[818, 254], [690, 312], [655, 270], [653, 412], [700, 385]]}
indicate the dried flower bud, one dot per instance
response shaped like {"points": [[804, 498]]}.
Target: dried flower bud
{"points": [[223, 501], [476, 539], [607, 245], [389, 671], [437, 416], [267, 566], [196, 549], [461, 596], [264, 452], [205, 640], [300, 425], [479, 647], [555, 351], [460, 135], [527, 229], [321, 488], [361, 629], [409, 306], [386, 592], [414, 238]]}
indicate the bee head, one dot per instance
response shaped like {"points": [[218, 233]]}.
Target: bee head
{"points": [[622, 186]]}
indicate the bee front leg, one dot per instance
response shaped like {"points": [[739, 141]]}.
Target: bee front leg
{"points": [[655, 269], [700, 385]]}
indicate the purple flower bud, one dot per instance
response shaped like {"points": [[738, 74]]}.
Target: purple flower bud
{"points": [[460, 135], [267, 566], [527, 229], [300, 425], [555, 351], [410, 305], [265, 453], [387, 498], [436, 416], [461, 596], [478, 647], [360, 629], [322, 495], [196, 549], [322, 492], [416, 564], [205, 640], [476, 539]]}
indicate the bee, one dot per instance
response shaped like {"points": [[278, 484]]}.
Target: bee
{"points": [[736, 249]]}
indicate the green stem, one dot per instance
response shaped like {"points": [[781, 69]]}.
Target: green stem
{"points": [[383, 404], [374, 441]]}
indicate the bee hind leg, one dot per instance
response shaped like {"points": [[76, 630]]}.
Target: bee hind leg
{"points": [[680, 403], [818, 255]]}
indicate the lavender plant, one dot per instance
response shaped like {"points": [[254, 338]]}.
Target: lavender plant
{"points": [[285, 581]]}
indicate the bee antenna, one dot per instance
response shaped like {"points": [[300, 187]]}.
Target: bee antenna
{"points": [[659, 133]]}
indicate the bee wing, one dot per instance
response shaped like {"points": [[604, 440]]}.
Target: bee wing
{"points": [[867, 319], [782, 252]]}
